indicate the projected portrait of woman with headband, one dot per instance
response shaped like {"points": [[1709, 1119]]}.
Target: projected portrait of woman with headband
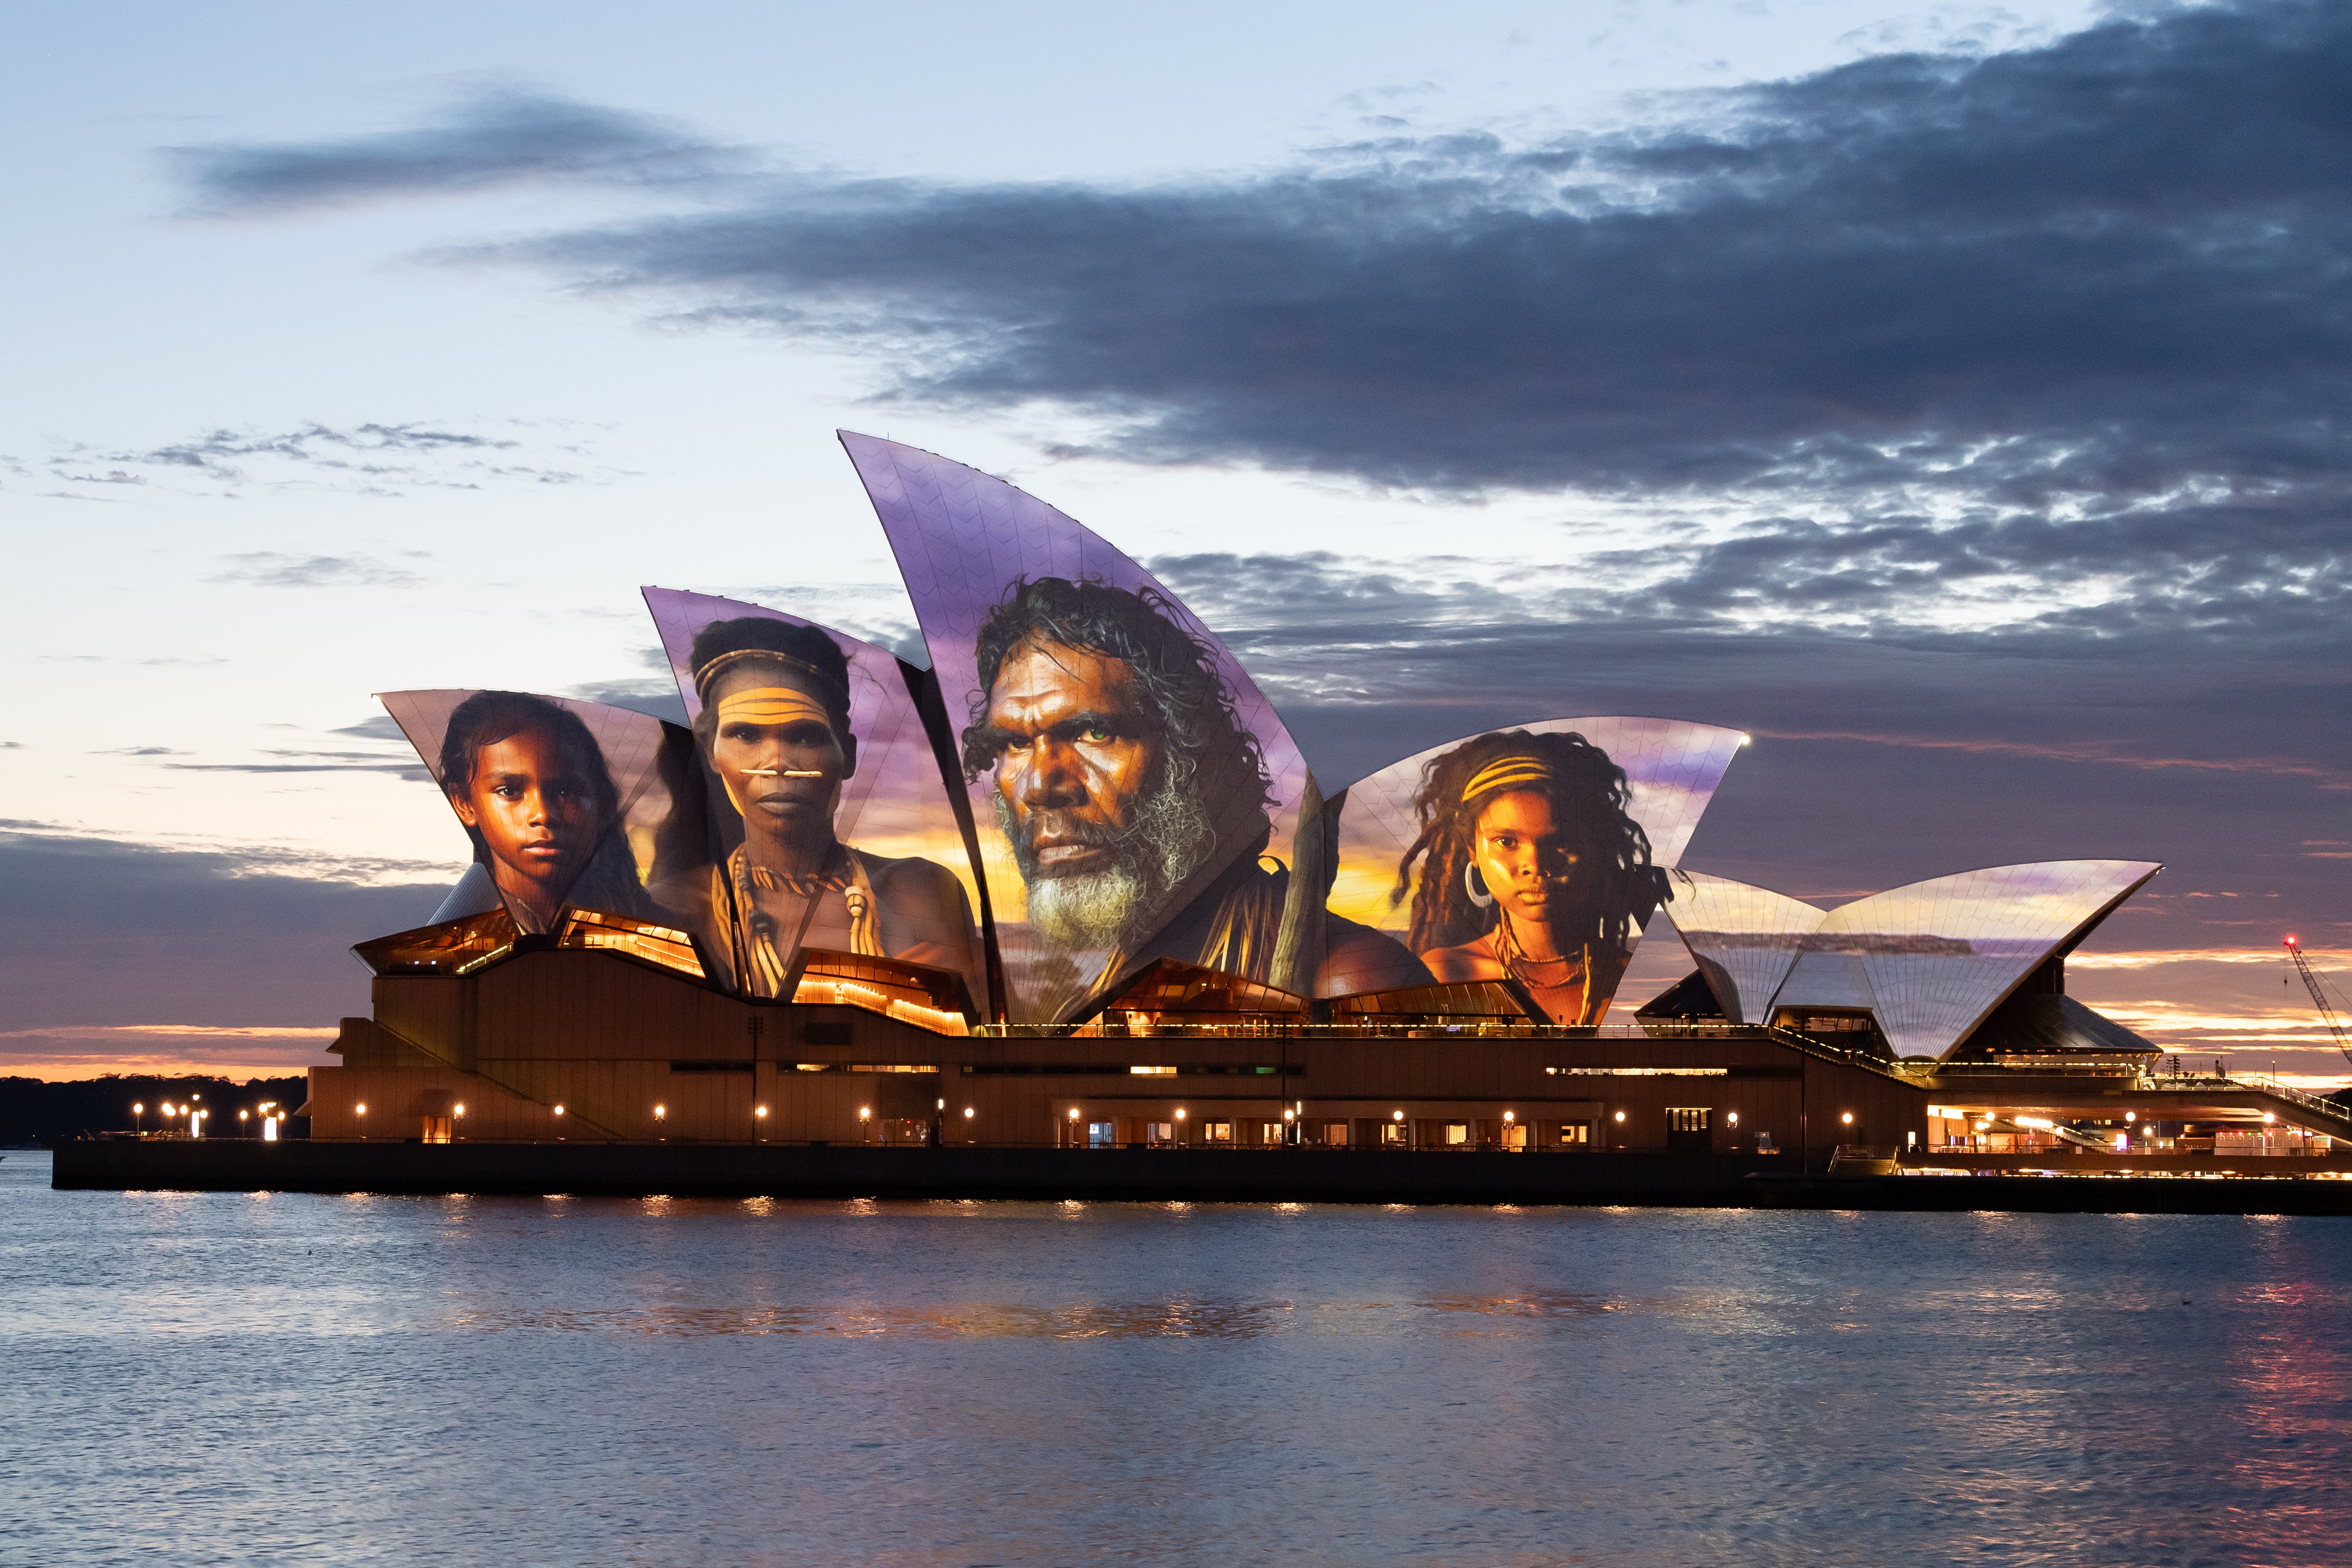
{"points": [[1531, 869], [775, 728]]}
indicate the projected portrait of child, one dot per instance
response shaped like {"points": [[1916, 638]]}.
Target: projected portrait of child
{"points": [[1530, 868], [531, 785], [774, 730]]}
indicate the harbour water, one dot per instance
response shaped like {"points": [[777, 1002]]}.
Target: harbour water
{"points": [[240, 1378]]}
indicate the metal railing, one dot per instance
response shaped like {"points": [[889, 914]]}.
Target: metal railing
{"points": [[1871, 1061], [2223, 1083], [1380, 1027]]}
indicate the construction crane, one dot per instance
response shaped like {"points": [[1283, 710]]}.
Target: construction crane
{"points": [[2319, 998]]}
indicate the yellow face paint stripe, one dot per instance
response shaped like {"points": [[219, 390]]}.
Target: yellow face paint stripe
{"points": [[768, 705]]}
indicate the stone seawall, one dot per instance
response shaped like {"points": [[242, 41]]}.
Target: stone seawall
{"points": [[1302, 1175]]}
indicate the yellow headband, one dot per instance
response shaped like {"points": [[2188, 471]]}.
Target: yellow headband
{"points": [[771, 705], [1504, 772]]}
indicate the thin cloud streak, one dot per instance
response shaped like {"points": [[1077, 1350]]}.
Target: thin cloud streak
{"points": [[373, 457], [2084, 752], [273, 568], [2155, 958], [504, 137]]}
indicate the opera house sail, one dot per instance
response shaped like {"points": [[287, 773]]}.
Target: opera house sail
{"points": [[1923, 965]]}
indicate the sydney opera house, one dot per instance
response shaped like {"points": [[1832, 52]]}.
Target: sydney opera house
{"points": [[1068, 883]]}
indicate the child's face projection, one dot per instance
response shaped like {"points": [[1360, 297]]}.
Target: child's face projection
{"points": [[535, 810], [1524, 856]]}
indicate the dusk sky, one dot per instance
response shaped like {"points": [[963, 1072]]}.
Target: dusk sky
{"points": [[1952, 396]]}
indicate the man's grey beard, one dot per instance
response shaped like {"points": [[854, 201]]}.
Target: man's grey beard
{"points": [[1167, 839], [1092, 911]]}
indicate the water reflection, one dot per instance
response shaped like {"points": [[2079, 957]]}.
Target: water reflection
{"points": [[1184, 1317], [614, 1382]]}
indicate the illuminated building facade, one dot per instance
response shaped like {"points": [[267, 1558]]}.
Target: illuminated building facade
{"points": [[1069, 883]]}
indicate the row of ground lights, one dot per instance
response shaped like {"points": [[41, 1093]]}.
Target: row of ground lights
{"points": [[196, 1116], [866, 1114]]}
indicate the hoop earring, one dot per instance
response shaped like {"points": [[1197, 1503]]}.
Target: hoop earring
{"points": [[1476, 886]]}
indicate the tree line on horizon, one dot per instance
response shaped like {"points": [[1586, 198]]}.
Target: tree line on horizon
{"points": [[36, 1112]]}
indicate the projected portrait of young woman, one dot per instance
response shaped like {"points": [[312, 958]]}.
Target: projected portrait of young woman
{"points": [[1531, 868], [775, 728], [531, 786]]}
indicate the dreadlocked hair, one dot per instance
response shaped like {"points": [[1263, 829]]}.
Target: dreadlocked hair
{"points": [[1175, 675], [1618, 889]]}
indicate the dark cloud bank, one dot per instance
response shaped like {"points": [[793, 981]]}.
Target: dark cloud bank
{"points": [[2069, 326], [2118, 258], [104, 932]]}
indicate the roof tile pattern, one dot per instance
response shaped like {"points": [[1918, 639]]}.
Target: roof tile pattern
{"points": [[1744, 939], [1940, 954]]}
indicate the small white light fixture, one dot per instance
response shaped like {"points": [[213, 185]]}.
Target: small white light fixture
{"points": [[1733, 1118], [460, 1110], [1508, 1116], [1621, 1116], [1847, 1119], [660, 1111], [2130, 1115], [1287, 1114], [1398, 1117], [761, 1112], [361, 1109], [1074, 1113], [968, 1113], [559, 1110], [2269, 1117], [1180, 1113]]}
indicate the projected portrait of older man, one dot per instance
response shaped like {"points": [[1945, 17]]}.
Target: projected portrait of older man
{"points": [[774, 730], [1531, 868], [1119, 770]]}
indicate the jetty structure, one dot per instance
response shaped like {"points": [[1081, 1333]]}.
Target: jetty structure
{"points": [[1054, 907]]}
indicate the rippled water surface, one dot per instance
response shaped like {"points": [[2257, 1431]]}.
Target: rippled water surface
{"points": [[209, 1378]]}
